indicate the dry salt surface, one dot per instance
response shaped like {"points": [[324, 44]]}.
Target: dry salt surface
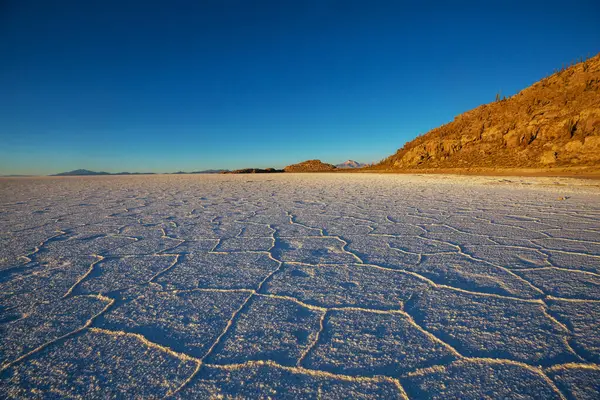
{"points": [[300, 286]]}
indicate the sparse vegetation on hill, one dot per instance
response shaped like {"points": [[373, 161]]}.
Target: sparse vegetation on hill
{"points": [[553, 123]]}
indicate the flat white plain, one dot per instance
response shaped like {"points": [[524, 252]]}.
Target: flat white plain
{"points": [[300, 286]]}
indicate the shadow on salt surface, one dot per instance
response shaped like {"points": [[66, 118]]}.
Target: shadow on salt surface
{"points": [[15, 270], [7, 316]]}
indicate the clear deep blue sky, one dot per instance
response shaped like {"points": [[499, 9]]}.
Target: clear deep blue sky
{"points": [[172, 85]]}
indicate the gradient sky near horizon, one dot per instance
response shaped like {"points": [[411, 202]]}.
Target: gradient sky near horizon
{"points": [[163, 86]]}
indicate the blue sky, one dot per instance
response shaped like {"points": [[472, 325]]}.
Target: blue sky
{"points": [[170, 85]]}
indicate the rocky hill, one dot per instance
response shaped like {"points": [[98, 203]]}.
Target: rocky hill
{"points": [[350, 164], [553, 123], [310, 166]]}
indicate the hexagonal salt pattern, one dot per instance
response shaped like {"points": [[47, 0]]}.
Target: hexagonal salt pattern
{"points": [[299, 286]]}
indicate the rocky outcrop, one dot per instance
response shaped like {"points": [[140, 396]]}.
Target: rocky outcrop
{"points": [[310, 166], [553, 123]]}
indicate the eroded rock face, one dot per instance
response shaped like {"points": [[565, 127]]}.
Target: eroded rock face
{"points": [[555, 122], [310, 166]]}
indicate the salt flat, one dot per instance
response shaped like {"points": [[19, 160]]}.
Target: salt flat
{"points": [[300, 286]]}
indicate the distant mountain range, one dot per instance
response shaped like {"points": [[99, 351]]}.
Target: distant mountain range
{"points": [[15, 176], [253, 171], [305, 166], [350, 164], [81, 172], [87, 172]]}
